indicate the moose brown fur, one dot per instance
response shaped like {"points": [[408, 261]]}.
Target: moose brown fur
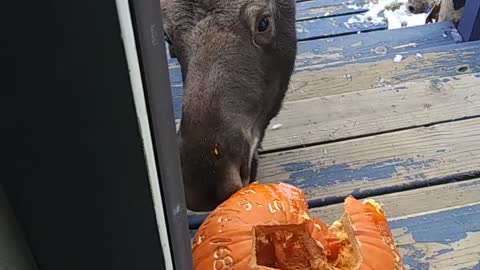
{"points": [[442, 10], [236, 57]]}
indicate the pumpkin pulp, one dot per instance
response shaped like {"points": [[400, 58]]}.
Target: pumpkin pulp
{"points": [[295, 247]]}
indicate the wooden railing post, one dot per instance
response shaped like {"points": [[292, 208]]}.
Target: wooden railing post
{"points": [[469, 26]]}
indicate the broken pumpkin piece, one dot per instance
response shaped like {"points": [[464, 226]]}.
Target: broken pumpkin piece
{"points": [[286, 247], [266, 226]]}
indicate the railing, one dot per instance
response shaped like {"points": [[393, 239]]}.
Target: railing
{"points": [[469, 26], [146, 54]]}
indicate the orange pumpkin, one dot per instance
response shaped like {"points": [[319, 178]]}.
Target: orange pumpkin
{"points": [[267, 226]]}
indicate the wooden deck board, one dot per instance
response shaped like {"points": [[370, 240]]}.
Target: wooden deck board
{"points": [[436, 62], [378, 164], [333, 26], [434, 228], [339, 51], [336, 51], [372, 111], [325, 8], [344, 49], [385, 163], [401, 205], [444, 240]]}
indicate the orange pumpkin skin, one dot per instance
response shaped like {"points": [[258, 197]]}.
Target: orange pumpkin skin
{"points": [[224, 240], [375, 242], [265, 221]]}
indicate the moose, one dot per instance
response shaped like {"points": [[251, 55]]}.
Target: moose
{"points": [[441, 10], [236, 59]]}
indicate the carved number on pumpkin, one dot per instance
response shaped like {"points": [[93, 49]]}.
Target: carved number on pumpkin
{"points": [[221, 259], [276, 206], [246, 204]]}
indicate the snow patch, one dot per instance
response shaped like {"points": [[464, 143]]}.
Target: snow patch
{"points": [[398, 58], [392, 12]]}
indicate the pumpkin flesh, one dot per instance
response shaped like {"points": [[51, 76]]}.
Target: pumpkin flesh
{"points": [[287, 247]]}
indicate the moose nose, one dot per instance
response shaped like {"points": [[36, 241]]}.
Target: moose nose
{"points": [[207, 202], [207, 199], [200, 202]]}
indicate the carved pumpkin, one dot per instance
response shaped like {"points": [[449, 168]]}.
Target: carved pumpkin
{"points": [[267, 226]]}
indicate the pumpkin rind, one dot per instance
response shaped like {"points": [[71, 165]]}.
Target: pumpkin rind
{"points": [[225, 238], [274, 213], [375, 242]]}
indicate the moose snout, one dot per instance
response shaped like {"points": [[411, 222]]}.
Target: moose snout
{"points": [[196, 201], [208, 196], [215, 165], [411, 8], [417, 6], [207, 187]]}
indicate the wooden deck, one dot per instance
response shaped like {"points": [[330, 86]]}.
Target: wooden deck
{"points": [[407, 134]]}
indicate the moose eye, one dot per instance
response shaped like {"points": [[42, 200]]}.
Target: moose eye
{"points": [[263, 24]]}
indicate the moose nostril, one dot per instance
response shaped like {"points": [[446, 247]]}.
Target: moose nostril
{"points": [[411, 9]]}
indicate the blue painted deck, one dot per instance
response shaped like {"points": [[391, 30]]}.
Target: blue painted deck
{"points": [[436, 237], [328, 8], [333, 26], [355, 122], [362, 48]]}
